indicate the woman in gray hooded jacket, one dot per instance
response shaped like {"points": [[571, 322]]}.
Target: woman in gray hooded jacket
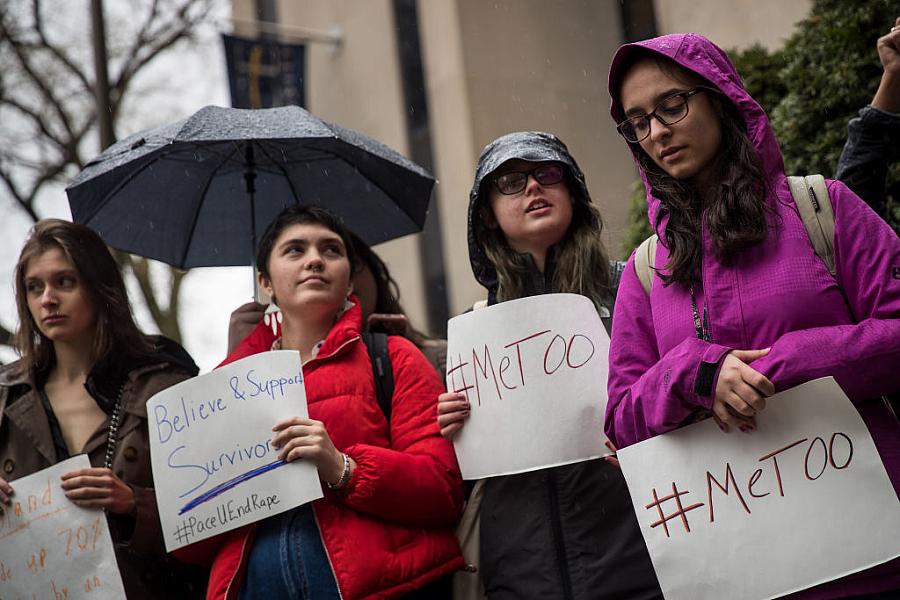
{"points": [[569, 531]]}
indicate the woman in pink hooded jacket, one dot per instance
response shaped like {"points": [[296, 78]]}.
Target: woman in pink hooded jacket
{"points": [[741, 307]]}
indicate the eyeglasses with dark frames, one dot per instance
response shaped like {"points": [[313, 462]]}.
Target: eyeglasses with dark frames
{"points": [[669, 111], [514, 182]]}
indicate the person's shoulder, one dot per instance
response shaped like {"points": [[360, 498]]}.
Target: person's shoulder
{"points": [[401, 347], [404, 355], [167, 350], [846, 204], [165, 364], [11, 374]]}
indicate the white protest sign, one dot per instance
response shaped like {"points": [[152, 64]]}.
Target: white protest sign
{"points": [[534, 371], [50, 548], [802, 500], [214, 467]]}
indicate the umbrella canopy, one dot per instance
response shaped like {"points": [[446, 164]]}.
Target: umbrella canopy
{"points": [[200, 192]]}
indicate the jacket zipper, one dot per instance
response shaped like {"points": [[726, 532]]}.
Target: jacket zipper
{"points": [[313, 508], [559, 543], [327, 555], [317, 359], [244, 552], [244, 555]]}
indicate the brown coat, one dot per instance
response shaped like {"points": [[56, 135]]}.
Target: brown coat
{"points": [[26, 446]]}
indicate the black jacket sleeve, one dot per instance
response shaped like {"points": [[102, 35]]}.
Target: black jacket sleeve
{"points": [[873, 142]]}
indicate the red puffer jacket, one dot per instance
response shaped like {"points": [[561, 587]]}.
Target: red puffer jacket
{"points": [[390, 531]]}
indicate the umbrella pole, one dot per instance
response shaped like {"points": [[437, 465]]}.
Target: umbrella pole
{"points": [[250, 188]]}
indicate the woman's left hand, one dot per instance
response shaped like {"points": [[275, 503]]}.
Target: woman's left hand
{"points": [[299, 437], [98, 487]]}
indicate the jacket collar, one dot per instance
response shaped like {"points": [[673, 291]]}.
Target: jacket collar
{"points": [[23, 407], [11, 377], [345, 330]]}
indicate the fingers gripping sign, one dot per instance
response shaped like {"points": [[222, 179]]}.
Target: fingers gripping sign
{"points": [[98, 487], [6, 492], [452, 409], [741, 390], [303, 438]]}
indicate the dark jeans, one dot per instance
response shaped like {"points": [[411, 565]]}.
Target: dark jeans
{"points": [[288, 560]]}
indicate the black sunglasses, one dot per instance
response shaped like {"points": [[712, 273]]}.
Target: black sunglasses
{"points": [[514, 182]]}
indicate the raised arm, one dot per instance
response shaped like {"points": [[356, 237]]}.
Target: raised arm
{"points": [[873, 138]]}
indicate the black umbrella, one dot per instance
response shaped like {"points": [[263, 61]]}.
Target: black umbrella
{"points": [[200, 192]]}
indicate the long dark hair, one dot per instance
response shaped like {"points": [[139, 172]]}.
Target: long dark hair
{"points": [[582, 266], [116, 333], [734, 211], [387, 292]]}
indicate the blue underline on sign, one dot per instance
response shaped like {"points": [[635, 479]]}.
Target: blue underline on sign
{"points": [[231, 483]]}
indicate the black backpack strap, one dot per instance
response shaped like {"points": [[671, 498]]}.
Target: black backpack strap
{"points": [[376, 344]]}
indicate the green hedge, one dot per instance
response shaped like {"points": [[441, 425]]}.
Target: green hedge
{"points": [[827, 70]]}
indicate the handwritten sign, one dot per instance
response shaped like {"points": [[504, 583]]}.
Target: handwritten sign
{"points": [[803, 500], [50, 548], [534, 371], [214, 466]]}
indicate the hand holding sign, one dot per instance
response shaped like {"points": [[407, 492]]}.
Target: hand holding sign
{"points": [[811, 469], [98, 487], [215, 461], [299, 437], [453, 409], [741, 390], [533, 372], [5, 492], [51, 548]]}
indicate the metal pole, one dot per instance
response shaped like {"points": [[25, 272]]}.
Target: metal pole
{"points": [[250, 188], [101, 86], [418, 133]]}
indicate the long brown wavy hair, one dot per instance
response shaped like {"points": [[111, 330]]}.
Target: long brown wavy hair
{"points": [[116, 333], [734, 211], [582, 265]]}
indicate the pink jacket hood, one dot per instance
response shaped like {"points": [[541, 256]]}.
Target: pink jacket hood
{"points": [[696, 53]]}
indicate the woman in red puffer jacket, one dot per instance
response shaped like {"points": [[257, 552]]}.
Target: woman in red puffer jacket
{"points": [[384, 528]]}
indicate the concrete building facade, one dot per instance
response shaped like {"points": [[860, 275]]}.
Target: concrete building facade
{"points": [[490, 68]]}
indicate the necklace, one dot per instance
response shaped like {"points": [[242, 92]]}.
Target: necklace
{"points": [[112, 435]]}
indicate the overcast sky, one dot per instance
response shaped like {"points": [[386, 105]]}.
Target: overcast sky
{"points": [[177, 84]]}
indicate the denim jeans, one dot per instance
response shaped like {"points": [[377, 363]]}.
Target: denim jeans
{"points": [[288, 560]]}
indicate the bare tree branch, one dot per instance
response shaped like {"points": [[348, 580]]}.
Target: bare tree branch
{"points": [[47, 90], [35, 118], [34, 77], [19, 198], [165, 36], [57, 52], [166, 319]]}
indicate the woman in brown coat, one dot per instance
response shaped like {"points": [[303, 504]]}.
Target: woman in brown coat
{"points": [[81, 385]]}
